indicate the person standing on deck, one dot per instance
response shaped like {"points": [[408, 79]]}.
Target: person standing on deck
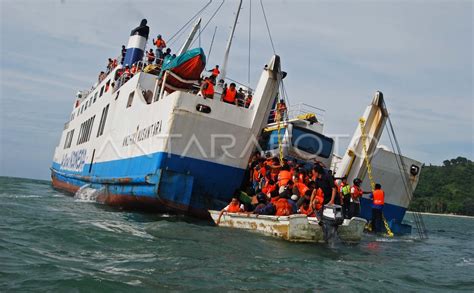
{"points": [[356, 194], [124, 51], [378, 200], [326, 183], [160, 45], [230, 95], [150, 56], [215, 71], [345, 192]]}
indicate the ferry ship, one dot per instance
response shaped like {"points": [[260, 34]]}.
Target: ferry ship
{"points": [[151, 142]]}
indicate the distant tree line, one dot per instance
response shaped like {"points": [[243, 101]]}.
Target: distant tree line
{"points": [[446, 189]]}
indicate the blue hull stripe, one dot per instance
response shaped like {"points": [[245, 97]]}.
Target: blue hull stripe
{"points": [[198, 183]]}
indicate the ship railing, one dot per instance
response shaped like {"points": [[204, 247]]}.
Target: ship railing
{"points": [[301, 111]]}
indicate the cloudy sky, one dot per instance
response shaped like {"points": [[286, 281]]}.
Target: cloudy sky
{"points": [[336, 53]]}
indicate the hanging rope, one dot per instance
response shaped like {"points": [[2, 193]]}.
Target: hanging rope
{"points": [[250, 38], [189, 21], [207, 23], [369, 169], [420, 225], [268, 27]]}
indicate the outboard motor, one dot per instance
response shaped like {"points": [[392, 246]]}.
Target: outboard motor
{"points": [[332, 218], [136, 44]]}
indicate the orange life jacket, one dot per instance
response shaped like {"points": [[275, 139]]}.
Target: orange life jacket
{"points": [[302, 188], [215, 72], [160, 44], [283, 207], [357, 192], [233, 208], [309, 211], [267, 188], [230, 95], [209, 91], [379, 197], [320, 198], [126, 72], [283, 177]]}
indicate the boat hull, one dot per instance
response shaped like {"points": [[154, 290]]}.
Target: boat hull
{"points": [[294, 228]]}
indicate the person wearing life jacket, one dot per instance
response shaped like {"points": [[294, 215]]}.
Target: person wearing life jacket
{"points": [[207, 88], [258, 174], [215, 71], [269, 185], [233, 207], [230, 95], [299, 187], [306, 209], [150, 56], [114, 63], [160, 45], [282, 206], [284, 175], [325, 182], [345, 193], [356, 194], [378, 200], [317, 200]]}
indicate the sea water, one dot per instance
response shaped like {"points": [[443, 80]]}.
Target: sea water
{"points": [[50, 241]]}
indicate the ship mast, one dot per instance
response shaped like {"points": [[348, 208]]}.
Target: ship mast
{"points": [[229, 44], [186, 45]]}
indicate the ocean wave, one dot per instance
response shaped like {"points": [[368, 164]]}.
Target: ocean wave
{"points": [[119, 227]]}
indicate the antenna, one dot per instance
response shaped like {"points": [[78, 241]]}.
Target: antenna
{"points": [[229, 43]]}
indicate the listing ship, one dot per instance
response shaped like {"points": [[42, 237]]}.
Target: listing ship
{"points": [[151, 142]]}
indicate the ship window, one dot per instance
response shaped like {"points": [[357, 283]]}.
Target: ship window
{"points": [[100, 131], [85, 105], [116, 97], [85, 131], [68, 140], [101, 91], [107, 85], [130, 99], [270, 139], [95, 96], [312, 142]]}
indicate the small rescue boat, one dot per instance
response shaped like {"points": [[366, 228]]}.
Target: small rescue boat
{"points": [[294, 228]]}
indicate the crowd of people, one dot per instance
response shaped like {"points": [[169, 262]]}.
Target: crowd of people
{"points": [[229, 94], [285, 188]]}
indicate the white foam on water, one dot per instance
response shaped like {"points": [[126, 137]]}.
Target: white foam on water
{"points": [[466, 262], [87, 194], [119, 227], [134, 282]]}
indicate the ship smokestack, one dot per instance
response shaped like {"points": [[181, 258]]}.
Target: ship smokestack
{"points": [[136, 43]]}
